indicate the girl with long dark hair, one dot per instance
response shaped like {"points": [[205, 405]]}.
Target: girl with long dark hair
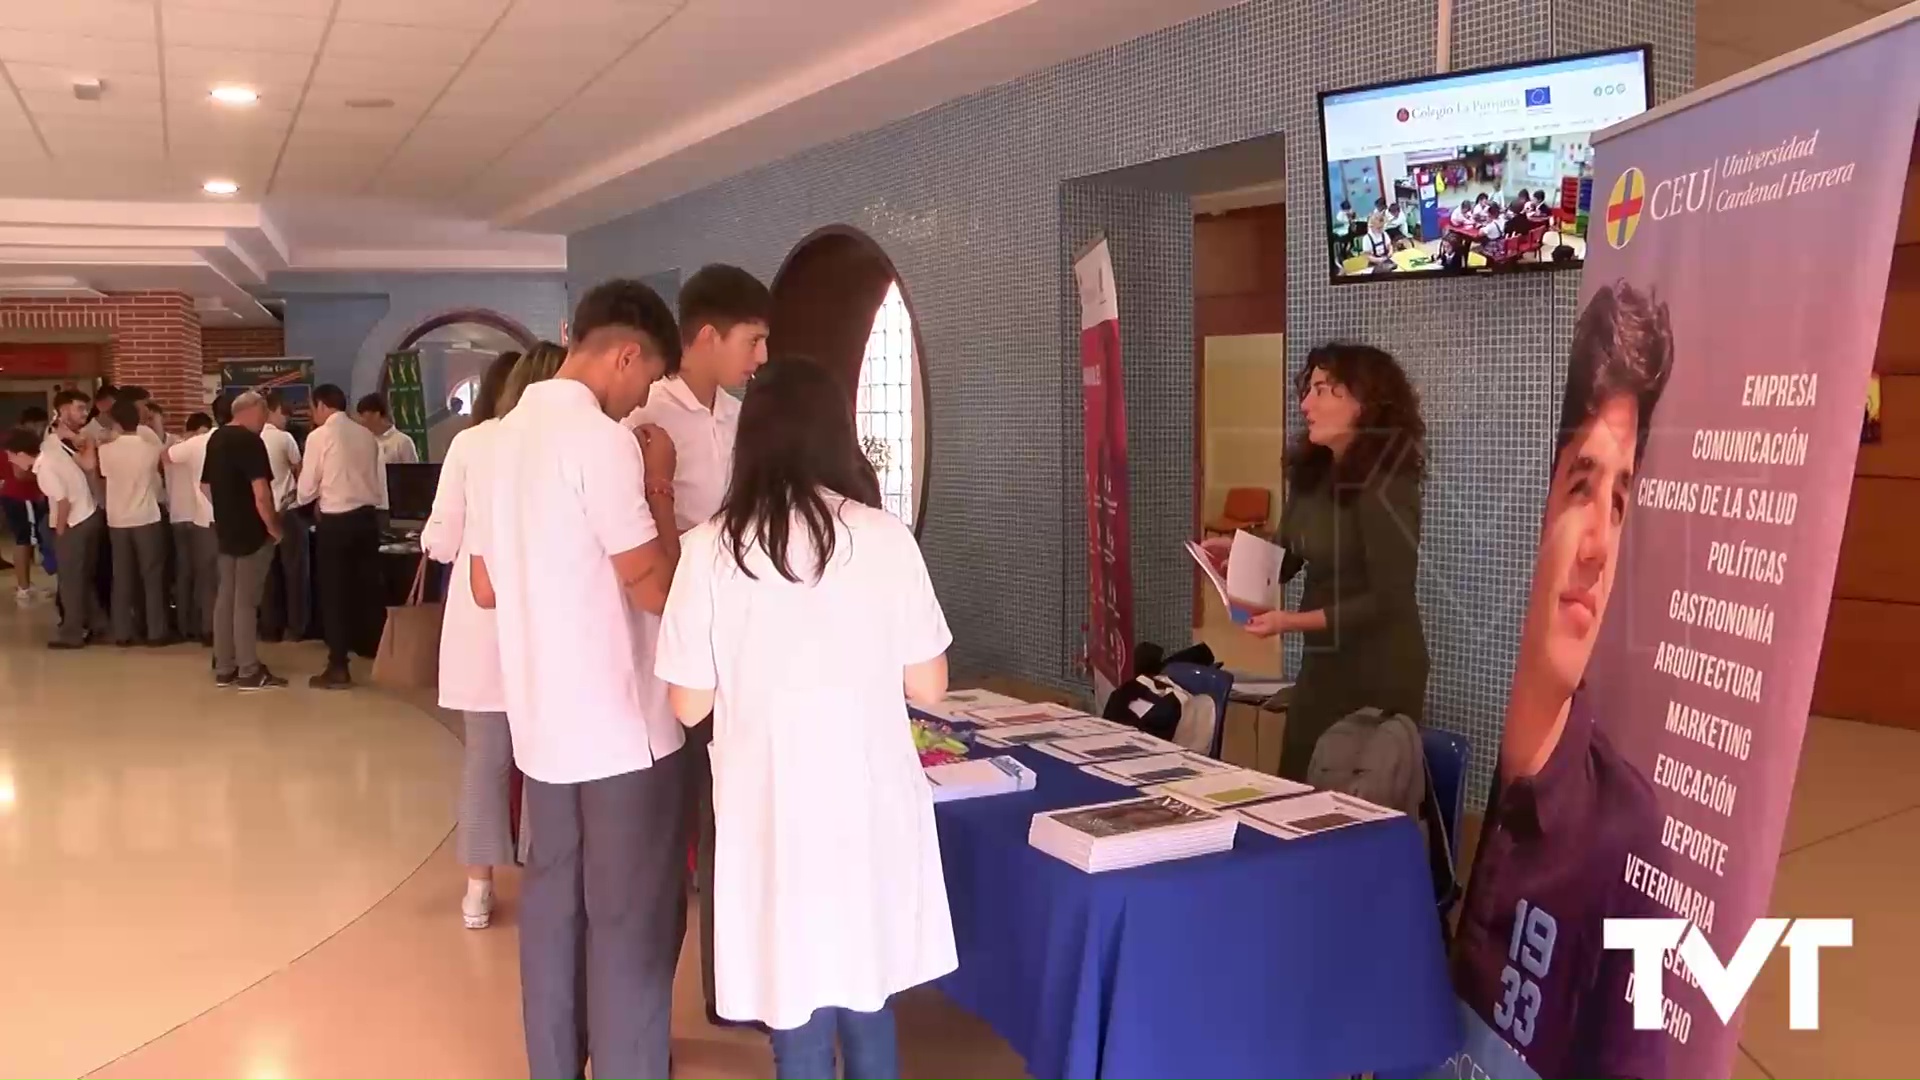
{"points": [[1351, 519], [803, 619]]}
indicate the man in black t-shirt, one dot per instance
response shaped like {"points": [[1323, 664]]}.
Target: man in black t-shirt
{"points": [[246, 524]]}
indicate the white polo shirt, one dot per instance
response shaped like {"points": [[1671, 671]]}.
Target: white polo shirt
{"points": [[575, 662], [186, 503], [397, 448], [131, 468], [702, 445], [283, 457], [61, 479]]}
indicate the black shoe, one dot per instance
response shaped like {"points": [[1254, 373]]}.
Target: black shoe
{"points": [[272, 636], [123, 643], [163, 642], [260, 679], [334, 678], [206, 641], [64, 645], [225, 678]]}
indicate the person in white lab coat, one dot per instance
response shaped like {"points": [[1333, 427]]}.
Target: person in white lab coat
{"points": [[828, 892], [470, 639]]}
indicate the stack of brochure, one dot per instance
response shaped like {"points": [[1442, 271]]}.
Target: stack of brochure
{"points": [[1131, 832], [982, 776], [1290, 819], [1019, 712]]}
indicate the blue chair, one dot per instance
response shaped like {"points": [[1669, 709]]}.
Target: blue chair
{"points": [[1213, 682], [1447, 755]]}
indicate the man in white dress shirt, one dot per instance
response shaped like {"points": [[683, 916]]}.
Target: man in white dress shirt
{"points": [[396, 446], [341, 478], [79, 528], [576, 566], [284, 612], [724, 313]]}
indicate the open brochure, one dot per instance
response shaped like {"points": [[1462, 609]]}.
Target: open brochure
{"points": [[1117, 746], [1251, 583], [1158, 769], [1226, 790], [1047, 731], [1019, 713], [978, 777], [1322, 811], [959, 705]]}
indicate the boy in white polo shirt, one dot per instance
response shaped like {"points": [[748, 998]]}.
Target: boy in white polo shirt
{"points": [[574, 563], [724, 313]]}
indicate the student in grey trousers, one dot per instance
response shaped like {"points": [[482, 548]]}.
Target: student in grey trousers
{"points": [[76, 550], [79, 524], [136, 532], [195, 550]]}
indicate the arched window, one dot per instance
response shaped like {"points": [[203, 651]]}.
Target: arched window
{"points": [[885, 404]]}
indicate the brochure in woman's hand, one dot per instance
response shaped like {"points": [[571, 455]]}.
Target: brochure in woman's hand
{"points": [[1251, 581]]}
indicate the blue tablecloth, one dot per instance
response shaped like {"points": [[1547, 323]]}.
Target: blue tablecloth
{"points": [[1313, 957]]}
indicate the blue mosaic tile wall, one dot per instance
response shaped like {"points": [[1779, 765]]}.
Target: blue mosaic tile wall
{"points": [[973, 202]]}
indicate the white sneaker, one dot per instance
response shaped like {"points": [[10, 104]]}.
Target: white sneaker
{"points": [[24, 597], [476, 909]]}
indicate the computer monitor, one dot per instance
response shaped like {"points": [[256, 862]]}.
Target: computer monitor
{"points": [[410, 489]]}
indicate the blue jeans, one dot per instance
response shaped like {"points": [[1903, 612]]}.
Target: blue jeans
{"points": [[867, 1044]]}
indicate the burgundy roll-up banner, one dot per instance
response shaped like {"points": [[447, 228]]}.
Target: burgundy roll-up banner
{"points": [[1109, 549], [1704, 455]]}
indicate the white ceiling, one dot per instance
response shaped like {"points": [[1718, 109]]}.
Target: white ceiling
{"points": [[512, 121]]}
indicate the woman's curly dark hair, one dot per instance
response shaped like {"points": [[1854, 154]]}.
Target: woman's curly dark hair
{"points": [[1390, 437]]}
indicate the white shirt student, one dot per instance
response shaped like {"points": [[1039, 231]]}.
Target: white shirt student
{"points": [[576, 659], [397, 448], [131, 469], [702, 444], [186, 503], [61, 479], [342, 472], [283, 457], [828, 885]]}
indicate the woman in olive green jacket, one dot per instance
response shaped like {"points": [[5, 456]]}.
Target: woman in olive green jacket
{"points": [[1352, 519]]}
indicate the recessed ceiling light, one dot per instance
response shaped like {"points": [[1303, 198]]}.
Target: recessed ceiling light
{"points": [[219, 187], [235, 95]]}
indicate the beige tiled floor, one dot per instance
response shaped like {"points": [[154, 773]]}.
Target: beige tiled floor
{"points": [[196, 883]]}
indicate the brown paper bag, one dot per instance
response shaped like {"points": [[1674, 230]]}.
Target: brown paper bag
{"points": [[409, 656]]}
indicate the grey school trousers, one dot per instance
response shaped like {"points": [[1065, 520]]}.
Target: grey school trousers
{"points": [[195, 577], [600, 911], [139, 581], [77, 552]]}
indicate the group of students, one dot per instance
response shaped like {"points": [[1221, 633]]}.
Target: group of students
{"points": [[184, 529], [686, 620]]}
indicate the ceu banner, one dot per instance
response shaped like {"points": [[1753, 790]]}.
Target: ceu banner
{"points": [[1704, 455], [291, 375], [1109, 551]]}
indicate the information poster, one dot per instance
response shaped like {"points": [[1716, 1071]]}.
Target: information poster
{"points": [[1702, 467], [406, 397], [291, 375], [1109, 548]]}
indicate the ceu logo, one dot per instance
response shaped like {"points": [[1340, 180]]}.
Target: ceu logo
{"points": [[1623, 207], [1403, 116]]}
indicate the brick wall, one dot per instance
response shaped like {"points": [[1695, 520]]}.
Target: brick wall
{"points": [[240, 343], [153, 338]]}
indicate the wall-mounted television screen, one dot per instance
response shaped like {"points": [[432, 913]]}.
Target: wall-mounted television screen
{"points": [[1472, 172]]}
